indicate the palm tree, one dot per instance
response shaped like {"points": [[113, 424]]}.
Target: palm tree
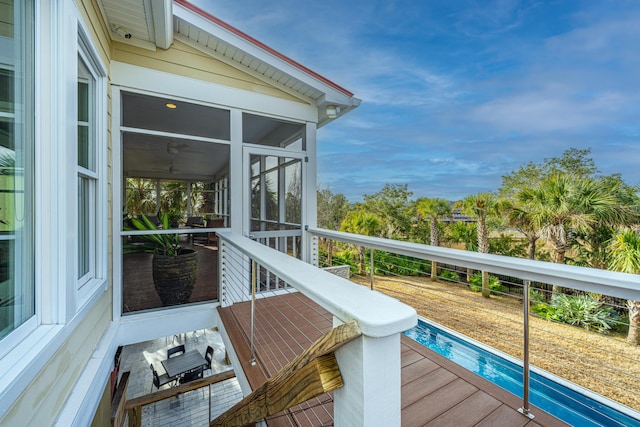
{"points": [[466, 233], [480, 206], [433, 209], [141, 196], [463, 232], [625, 257], [365, 223], [592, 244], [519, 217], [564, 203]]}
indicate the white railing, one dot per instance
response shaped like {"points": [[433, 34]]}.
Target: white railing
{"points": [[381, 320], [603, 282], [527, 272], [287, 241]]}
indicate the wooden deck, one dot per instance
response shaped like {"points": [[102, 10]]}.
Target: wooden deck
{"points": [[435, 391]]}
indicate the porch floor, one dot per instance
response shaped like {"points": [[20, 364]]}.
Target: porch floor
{"points": [[435, 391], [194, 408]]}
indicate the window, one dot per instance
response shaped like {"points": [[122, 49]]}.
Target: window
{"points": [[90, 140], [17, 293], [87, 177]]}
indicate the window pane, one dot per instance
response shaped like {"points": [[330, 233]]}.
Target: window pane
{"points": [[86, 120], [293, 180], [6, 133], [17, 296], [84, 236], [6, 91], [83, 101]]}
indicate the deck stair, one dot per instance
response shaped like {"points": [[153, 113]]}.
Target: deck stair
{"points": [[312, 373]]}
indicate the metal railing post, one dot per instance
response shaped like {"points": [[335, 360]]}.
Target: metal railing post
{"points": [[525, 358], [371, 267], [252, 361]]}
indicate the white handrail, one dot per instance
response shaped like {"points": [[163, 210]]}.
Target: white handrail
{"points": [[381, 316], [621, 285]]}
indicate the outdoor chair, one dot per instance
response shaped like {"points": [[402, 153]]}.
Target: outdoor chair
{"points": [[159, 380], [175, 351], [153, 218], [208, 356], [196, 374], [212, 237], [194, 221]]}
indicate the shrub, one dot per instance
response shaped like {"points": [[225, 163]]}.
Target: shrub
{"points": [[449, 276], [387, 263], [536, 297], [584, 311], [475, 283]]}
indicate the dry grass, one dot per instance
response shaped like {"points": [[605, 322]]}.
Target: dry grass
{"points": [[604, 364]]}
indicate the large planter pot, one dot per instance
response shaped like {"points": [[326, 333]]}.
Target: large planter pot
{"points": [[175, 276]]}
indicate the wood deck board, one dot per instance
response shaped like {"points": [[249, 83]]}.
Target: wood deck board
{"points": [[434, 389], [417, 369], [470, 411]]}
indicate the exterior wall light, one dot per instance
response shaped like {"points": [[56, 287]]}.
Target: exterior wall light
{"points": [[170, 106], [332, 111]]}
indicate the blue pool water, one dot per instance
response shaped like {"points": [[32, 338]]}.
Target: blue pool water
{"points": [[564, 403]]}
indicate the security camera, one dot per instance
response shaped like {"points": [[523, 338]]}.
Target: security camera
{"points": [[121, 32]]}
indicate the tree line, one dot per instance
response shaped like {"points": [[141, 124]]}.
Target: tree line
{"points": [[562, 210]]}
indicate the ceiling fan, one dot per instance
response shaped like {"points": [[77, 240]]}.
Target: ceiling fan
{"points": [[172, 169], [174, 148]]}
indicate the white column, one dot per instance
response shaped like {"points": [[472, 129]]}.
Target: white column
{"points": [[370, 369], [309, 190]]}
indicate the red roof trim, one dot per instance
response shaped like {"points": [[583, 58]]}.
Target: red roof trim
{"points": [[261, 45]]}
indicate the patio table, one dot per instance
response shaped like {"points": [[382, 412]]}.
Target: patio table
{"points": [[183, 363]]}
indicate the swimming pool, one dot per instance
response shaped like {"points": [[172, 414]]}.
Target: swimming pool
{"points": [[566, 402]]}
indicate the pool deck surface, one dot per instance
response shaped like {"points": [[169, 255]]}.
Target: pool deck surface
{"points": [[435, 391]]}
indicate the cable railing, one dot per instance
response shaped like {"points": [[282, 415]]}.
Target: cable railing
{"points": [[199, 401], [563, 322], [278, 328]]}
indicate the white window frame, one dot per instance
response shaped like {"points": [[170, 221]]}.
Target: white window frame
{"points": [[8, 51], [96, 277]]}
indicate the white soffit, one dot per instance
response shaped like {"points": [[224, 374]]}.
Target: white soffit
{"points": [[155, 23], [223, 42], [142, 23]]}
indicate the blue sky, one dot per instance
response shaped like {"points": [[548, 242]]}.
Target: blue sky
{"points": [[456, 94]]}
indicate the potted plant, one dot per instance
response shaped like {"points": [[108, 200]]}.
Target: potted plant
{"points": [[174, 218], [175, 268]]}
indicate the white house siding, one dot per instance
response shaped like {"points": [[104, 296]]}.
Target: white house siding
{"points": [[43, 399], [183, 60]]}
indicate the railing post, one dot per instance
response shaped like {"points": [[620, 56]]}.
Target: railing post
{"points": [[525, 358], [371, 267], [371, 395], [252, 361]]}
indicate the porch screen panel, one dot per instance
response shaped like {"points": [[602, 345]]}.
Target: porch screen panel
{"points": [[178, 117], [272, 132], [17, 296], [276, 193]]}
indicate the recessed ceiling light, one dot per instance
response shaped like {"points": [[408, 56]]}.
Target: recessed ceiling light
{"points": [[171, 106]]}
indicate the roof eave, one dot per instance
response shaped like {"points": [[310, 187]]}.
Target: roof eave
{"points": [[333, 94]]}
